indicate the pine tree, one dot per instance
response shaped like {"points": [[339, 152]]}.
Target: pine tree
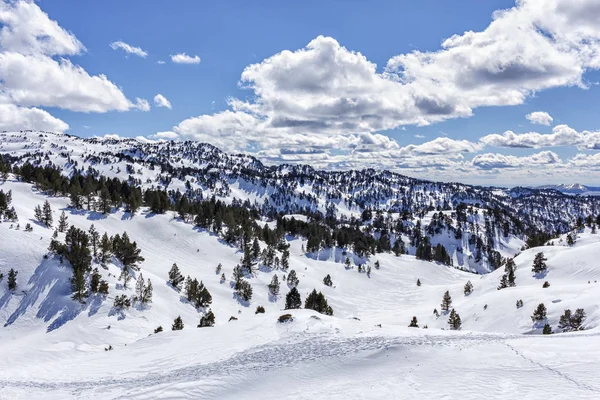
{"points": [[122, 302], [218, 269], [347, 262], [454, 320], [468, 288], [292, 299], [95, 281], [105, 248], [244, 290], [37, 212], [238, 274], [519, 303], [62, 222], [175, 277], [327, 281], [47, 214], [94, 239], [274, 286], [418, 282], [571, 322], [446, 301], [539, 264], [12, 279], [78, 285], [316, 301], [177, 324], [539, 314], [413, 323], [285, 259], [255, 249], [125, 277], [547, 329], [103, 287], [292, 279], [140, 288]]}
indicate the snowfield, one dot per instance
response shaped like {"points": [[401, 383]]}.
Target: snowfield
{"points": [[52, 347]]}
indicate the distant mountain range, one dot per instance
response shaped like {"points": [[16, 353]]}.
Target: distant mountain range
{"points": [[573, 188]]}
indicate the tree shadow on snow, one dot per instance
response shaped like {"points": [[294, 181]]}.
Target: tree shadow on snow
{"points": [[57, 306], [96, 216]]}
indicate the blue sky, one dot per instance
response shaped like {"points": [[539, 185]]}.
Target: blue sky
{"points": [[318, 102]]}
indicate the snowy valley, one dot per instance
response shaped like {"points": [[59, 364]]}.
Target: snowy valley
{"points": [[381, 251]]}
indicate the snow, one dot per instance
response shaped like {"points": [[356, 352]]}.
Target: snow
{"points": [[53, 348]]}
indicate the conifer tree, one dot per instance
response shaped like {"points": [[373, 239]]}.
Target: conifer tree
{"points": [[95, 281], [327, 281], [255, 249], [103, 287], [413, 323], [468, 288], [274, 286], [47, 214], [175, 277], [539, 264], [78, 285], [244, 290], [292, 299], [454, 320], [316, 301], [105, 248], [140, 288], [285, 259], [547, 329], [177, 324], [418, 282], [292, 279], [62, 222], [94, 239], [12, 279], [446, 301], [539, 314]]}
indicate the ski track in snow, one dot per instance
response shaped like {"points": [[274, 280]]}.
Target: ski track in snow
{"points": [[288, 353]]}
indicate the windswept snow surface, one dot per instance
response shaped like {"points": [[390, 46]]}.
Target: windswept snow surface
{"points": [[54, 348]]}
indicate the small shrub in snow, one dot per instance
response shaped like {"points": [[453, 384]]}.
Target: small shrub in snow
{"points": [[158, 330], [413, 323], [285, 318], [122, 301], [260, 310], [207, 320], [546, 285], [177, 324], [327, 281], [12, 279], [547, 329], [519, 303]]}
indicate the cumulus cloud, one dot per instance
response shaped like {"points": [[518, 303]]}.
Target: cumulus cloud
{"points": [[540, 118], [35, 70], [161, 101], [129, 49], [15, 118], [325, 94], [496, 160], [562, 135], [182, 58], [141, 104]]}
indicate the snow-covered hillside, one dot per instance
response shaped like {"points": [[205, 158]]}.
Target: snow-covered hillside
{"points": [[54, 347]]}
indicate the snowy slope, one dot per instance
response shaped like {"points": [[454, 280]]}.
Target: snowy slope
{"points": [[53, 347]]}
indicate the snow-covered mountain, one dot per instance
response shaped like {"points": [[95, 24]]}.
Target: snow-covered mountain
{"points": [[342, 225], [573, 188]]}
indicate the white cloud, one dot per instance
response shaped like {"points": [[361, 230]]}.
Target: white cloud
{"points": [[141, 104], [161, 62], [27, 30], [15, 118], [128, 49], [161, 101], [165, 135], [540, 118], [34, 70], [182, 58], [496, 160], [562, 135], [444, 145]]}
